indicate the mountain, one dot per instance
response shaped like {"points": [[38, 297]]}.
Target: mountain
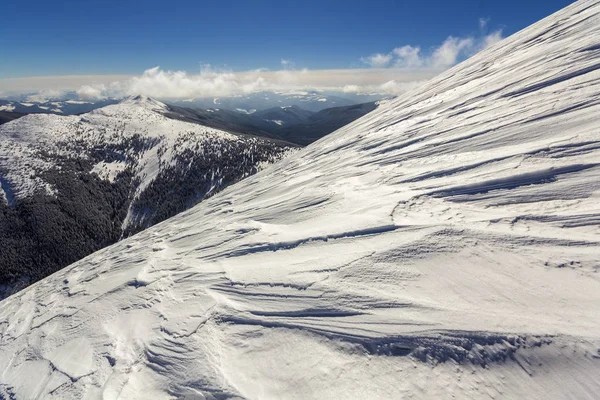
{"points": [[6, 116], [284, 115], [288, 123], [74, 184], [224, 119], [320, 124], [59, 107], [311, 100], [443, 246], [291, 124]]}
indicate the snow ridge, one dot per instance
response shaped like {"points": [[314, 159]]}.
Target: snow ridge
{"points": [[442, 246]]}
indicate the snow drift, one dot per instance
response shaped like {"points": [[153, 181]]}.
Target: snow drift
{"points": [[445, 245]]}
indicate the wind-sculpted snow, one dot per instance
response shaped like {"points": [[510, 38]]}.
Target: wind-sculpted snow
{"points": [[444, 246]]}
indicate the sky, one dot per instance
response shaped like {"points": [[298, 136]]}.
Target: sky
{"points": [[95, 43]]}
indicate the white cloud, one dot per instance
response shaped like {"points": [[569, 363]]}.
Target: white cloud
{"points": [[351, 89], [408, 57], [449, 53], [287, 64], [491, 39], [166, 85], [46, 95], [394, 88], [377, 60], [483, 23], [91, 92]]}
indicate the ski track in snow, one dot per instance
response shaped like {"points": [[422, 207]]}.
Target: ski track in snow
{"points": [[445, 245]]}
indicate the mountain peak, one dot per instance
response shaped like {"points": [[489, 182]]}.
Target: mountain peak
{"points": [[144, 101]]}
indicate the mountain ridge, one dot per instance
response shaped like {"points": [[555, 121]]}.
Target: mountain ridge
{"points": [[71, 185]]}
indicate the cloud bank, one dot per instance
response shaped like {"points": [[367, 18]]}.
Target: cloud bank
{"points": [[398, 71], [446, 55]]}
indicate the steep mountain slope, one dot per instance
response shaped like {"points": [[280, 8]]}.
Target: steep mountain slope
{"points": [[72, 185], [443, 246]]}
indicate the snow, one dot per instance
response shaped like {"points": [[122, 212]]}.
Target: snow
{"points": [[244, 111], [322, 99], [109, 170], [443, 246], [7, 107], [275, 121]]}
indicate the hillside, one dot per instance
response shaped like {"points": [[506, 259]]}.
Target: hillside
{"points": [[322, 123], [72, 185], [290, 124], [443, 246], [6, 116]]}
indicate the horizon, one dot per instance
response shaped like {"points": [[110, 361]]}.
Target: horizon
{"points": [[346, 50]]}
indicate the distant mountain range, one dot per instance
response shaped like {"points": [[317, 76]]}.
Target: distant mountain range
{"points": [[290, 123], [310, 100], [62, 107]]}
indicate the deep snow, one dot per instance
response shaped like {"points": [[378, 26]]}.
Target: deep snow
{"points": [[445, 245]]}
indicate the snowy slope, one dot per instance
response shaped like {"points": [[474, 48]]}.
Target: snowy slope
{"points": [[71, 185], [445, 245]]}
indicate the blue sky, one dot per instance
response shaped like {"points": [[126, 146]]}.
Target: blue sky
{"points": [[40, 37]]}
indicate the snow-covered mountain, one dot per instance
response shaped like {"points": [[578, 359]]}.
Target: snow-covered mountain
{"points": [[59, 107], [74, 184], [445, 245], [292, 124]]}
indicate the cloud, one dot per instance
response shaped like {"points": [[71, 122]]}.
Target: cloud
{"points": [[396, 72], [394, 88], [491, 39], [408, 57], [46, 95], [483, 23], [351, 89], [91, 93], [210, 82], [377, 60], [179, 84], [287, 64], [446, 55]]}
